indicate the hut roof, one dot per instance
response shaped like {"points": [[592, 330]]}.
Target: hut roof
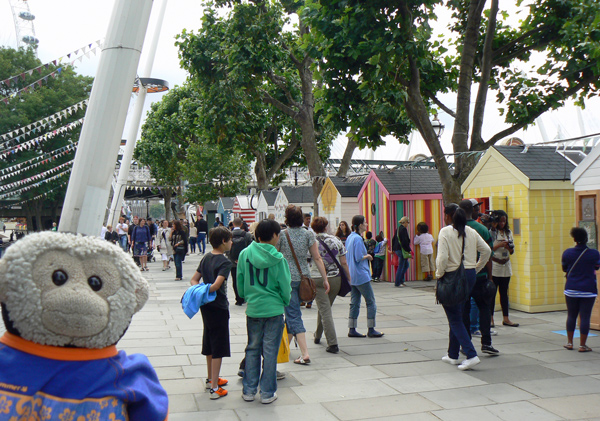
{"points": [[270, 196], [538, 162], [228, 202], [410, 180], [211, 205], [295, 195], [349, 186]]}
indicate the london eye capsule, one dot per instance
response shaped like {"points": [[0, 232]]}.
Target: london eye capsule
{"points": [[31, 40], [26, 15]]}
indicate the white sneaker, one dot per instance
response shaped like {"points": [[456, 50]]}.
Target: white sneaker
{"points": [[451, 361], [469, 363], [269, 400], [493, 333], [247, 398]]}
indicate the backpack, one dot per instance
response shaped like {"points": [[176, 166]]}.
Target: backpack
{"points": [[239, 244]]}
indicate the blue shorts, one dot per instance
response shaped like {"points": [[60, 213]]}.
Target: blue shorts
{"points": [[293, 315], [140, 249]]}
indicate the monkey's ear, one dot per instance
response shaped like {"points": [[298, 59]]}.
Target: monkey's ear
{"points": [[3, 280], [141, 293]]}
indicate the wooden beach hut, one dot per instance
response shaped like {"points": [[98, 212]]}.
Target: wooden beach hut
{"points": [[338, 200], [244, 206], [210, 211], [388, 195], [266, 204], [532, 185], [225, 209], [300, 196]]}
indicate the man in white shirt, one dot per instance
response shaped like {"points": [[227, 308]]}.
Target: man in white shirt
{"points": [[122, 229]]}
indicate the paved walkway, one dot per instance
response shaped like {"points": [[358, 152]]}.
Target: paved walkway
{"points": [[397, 377]]}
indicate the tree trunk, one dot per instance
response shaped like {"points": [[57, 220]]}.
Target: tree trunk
{"points": [[345, 165], [28, 217], [260, 170], [39, 206], [167, 194]]}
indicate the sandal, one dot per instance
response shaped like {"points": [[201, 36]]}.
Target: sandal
{"points": [[585, 348], [511, 324], [568, 346], [302, 361]]}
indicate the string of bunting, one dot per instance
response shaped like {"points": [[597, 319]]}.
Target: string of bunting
{"points": [[14, 80], [33, 128], [35, 177], [32, 186], [43, 159], [45, 194], [40, 139]]}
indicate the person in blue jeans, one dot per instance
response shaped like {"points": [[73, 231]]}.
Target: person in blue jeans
{"points": [[401, 241], [264, 282], [451, 241], [360, 279], [179, 241], [202, 231]]}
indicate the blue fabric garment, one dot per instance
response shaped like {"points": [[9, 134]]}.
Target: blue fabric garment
{"points": [[44, 386], [360, 273], [581, 277], [141, 234], [195, 297]]}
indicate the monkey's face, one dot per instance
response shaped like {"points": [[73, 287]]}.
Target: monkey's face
{"points": [[74, 292]]}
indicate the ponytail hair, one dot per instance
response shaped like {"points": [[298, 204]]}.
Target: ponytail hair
{"points": [[357, 220], [459, 221]]}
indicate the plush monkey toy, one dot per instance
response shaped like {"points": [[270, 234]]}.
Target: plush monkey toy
{"points": [[66, 301]]}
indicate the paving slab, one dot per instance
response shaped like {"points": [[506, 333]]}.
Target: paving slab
{"points": [[376, 407], [567, 386], [441, 381], [572, 407]]}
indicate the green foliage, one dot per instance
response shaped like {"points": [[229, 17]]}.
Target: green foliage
{"points": [[65, 90], [157, 211]]}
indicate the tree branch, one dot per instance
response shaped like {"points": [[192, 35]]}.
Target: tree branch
{"points": [[279, 81], [345, 165], [439, 103], [268, 99], [498, 52], [285, 155]]}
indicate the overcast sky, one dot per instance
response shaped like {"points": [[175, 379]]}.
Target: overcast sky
{"points": [[65, 25]]}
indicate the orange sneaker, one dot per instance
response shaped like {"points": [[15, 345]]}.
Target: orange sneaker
{"points": [[222, 382], [219, 393]]}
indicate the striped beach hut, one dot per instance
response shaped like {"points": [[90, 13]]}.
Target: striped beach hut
{"points": [[244, 206], [388, 195]]}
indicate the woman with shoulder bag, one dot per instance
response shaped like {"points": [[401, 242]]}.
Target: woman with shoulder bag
{"points": [[179, 241], [333, 254], [141, 238], [302, 242], [459, 243], [164, 244], [581, 288], [360, 279]]}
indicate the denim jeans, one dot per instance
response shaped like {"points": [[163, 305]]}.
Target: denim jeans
{"points": [[366, 290], [293, 314], [402, 268], [377, 267], [474, 316], [459, 336], [123, 242], [178, 257], [264, 338], [201, 239], [192, 241], [480, 295]]}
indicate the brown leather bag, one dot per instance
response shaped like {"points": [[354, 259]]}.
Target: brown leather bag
{"points": [[307, 290]]}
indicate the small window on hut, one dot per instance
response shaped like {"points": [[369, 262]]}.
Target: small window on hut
{"points": [[516, 228]]}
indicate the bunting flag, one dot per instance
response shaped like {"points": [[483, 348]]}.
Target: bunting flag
{"points": [[35, 177], [45, 194], [38, 83], [32, 186], [85, 52], [21, 133], [37, 161], [38, 140]]}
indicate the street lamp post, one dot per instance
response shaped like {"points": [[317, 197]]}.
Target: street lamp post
{"points": [[438, 126], [147, 208]]}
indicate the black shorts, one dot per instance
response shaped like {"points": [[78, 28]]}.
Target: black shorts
{"points": [[215, 339]]}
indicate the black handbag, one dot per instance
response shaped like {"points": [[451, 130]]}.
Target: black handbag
{"points": [[452, 288], [345, 286]]}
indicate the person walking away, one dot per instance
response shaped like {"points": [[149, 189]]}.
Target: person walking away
{"points": [[379, 260], [264, 282], [111, 235], [581, 289], [240, 240], [360, 279], [457, 242], [503, 247], [141, 239], [214, 269], [481, 290], [401, 241], [164, 244], [179, 242], [333, 254], [303, 241], [425, 241], [153, 230], [122, 230], [193, 237], [202, 232]]}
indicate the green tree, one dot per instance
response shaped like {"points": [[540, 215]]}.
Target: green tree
{"points": [[250, 57], [383, 54], [58, 92], [157, 211]]}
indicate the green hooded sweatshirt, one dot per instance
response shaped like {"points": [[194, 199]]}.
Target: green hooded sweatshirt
{"points": [[263, 280]]}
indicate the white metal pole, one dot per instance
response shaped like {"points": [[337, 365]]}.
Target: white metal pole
{"points": [[89, 185], [136, 117], [542, 128]]}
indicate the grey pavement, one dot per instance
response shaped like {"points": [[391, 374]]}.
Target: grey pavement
{"points": [[397, 377]]}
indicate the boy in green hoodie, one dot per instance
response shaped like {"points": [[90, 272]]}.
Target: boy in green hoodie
{"points": [[263, 281]]}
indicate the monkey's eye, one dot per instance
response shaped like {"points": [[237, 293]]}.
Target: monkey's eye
{"points": [[59, 277], [95, 283]]}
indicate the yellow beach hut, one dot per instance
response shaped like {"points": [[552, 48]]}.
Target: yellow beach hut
{"points": [[532, 185], [338, 200]]}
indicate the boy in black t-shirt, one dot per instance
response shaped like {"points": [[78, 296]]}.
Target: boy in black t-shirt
{"points": [[214, 269]]}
